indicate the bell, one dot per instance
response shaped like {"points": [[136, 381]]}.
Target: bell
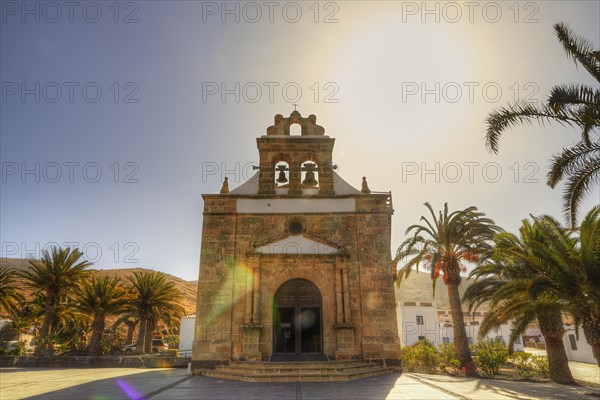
{"points": [[282, 178], [310, 179]]}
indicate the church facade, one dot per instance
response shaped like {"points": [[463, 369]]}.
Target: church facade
{"points": [[295, 262]]}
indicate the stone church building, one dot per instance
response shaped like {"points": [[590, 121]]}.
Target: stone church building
{"points": [[296, 262]]}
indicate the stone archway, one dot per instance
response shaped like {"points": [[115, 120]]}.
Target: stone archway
{"points": [[297, 318]]}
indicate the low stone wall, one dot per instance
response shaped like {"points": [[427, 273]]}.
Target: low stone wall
{"points": [[94, 362]]}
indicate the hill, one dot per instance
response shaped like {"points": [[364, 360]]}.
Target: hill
{"points": [[187, 289]]}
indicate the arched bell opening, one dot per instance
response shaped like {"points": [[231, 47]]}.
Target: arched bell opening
{"points": [[310, 177], [295, 129], [282, 177]]}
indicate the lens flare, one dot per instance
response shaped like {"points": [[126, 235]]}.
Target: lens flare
{"points": [[129, 390]]}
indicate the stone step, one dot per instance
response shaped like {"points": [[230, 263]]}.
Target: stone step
{"points": [[297, 372], [303, 377], [287, 368], [300, 363]]}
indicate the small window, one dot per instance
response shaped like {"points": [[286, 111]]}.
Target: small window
{"points": [[573, 342], [470, 340], [421, 337], [445, 340], [419, 320], [295, 228]]}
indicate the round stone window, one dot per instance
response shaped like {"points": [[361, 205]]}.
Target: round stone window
{"points": [[295, 228]]}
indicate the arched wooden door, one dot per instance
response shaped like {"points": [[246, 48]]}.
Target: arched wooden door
{"points": [[297, 323]]}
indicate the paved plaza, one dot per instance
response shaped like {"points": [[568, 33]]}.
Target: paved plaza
{"points": [[175, 384]]}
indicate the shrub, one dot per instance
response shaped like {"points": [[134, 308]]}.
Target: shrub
{"points": [[540, 366], [529, 366], [522, 363], [112, 340], [172, 341], [420, 357], [447, 355], [490, 354], [20, 348], [520, 359]]}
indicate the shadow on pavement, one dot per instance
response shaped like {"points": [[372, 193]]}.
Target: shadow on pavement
{"points": [[138, 386]]}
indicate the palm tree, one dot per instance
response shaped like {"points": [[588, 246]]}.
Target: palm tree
{"points": [[9, 295], [98, 298], [570, 270], [507, 282], [154, 298], [573, 105], [444, 245], [54, 277]]}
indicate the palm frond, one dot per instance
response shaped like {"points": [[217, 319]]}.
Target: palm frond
{"points": [[579, 49], [578, 185], [506, 117]]}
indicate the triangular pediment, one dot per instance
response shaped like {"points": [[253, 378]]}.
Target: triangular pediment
{"points": [[296, 245]]}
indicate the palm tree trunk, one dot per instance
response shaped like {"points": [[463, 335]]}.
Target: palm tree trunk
{"points": [[591, 330], [130, 330], [148, 342], [151, 327], [95, 348], [552, 328], [461, 343], [43, 344], [141, 339]]}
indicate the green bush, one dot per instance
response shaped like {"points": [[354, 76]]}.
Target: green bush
{"points": [[490, 355], [420, 357], [172, 341], [447, 355], [20, 348], [540, 366], [529, 366], [112, 340], [522, 363]]}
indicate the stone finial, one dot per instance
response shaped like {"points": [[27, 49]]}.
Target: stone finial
{"points": [[225, 187], [365, 187]]}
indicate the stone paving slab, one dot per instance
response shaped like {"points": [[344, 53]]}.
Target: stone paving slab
{"points": [[390, 387], [175, 384], [85, 383], [484, 389], [585, 372]]}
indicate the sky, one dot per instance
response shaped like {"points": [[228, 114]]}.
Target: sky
{"points": [[115, 117]]}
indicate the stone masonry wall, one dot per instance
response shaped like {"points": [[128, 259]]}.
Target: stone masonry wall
{"points": [[228, 240]]}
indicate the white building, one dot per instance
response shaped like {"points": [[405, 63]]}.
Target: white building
{"points": [[186, 335], [423, 320], [424, 316], [578, 349]]}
